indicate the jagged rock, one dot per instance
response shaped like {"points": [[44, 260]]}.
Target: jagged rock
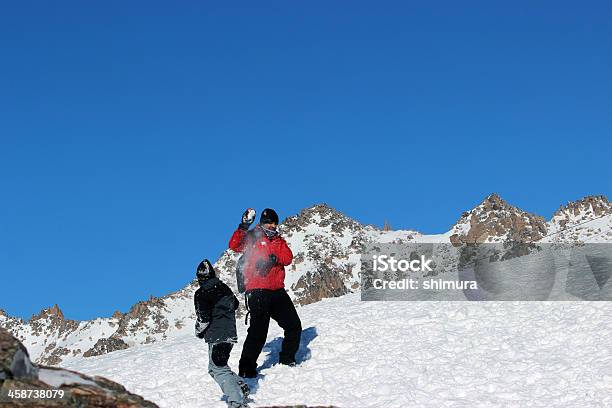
{"points": [[50, 323], [53, 312], [494, 220], [80, 391], [581, 210], [321, 214], [142, 313], [55, 354], [56, 311], [320, 284], [571, 222], [106, 345]]}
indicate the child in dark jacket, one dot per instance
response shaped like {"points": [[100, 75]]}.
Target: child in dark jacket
{"points": [[215, 306]]}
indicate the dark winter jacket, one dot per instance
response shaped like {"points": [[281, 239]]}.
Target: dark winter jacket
{"points": [[216, 305], [257, 268]]}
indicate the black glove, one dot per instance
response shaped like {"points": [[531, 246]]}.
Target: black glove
{"points": [[263, 265], [247, 219], [272, 259]]}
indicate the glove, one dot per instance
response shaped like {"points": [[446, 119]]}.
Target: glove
{"points": [[247, 218], [200, 329], [263, 265]]}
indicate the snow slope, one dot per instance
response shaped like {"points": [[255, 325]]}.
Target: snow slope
{"points": [[398, 354]]}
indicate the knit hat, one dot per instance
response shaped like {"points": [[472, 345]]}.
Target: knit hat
{"points": [[268, 216], [205, 271]]}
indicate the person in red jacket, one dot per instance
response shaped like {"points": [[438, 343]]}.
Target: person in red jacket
{"points": [[265, 255]]}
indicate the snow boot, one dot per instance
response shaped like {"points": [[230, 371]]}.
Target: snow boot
{"points": [[287, 361], [245, 388], [234, 405]]}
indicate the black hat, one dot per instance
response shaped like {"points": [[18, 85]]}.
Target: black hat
{"points": [[205, 271], [268, 216]]}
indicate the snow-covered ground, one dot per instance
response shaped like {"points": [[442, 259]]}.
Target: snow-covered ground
{"points": [[398, 354]]}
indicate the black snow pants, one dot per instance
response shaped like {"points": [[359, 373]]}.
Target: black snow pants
{"points": [[263, 305]]}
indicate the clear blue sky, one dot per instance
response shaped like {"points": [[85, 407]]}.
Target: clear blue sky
{"points": [[133, 134]]}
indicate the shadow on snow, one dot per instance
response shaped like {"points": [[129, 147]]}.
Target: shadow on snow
{"points": [[273, 348]]}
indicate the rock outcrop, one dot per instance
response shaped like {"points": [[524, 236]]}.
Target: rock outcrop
{"points": [[586, 220], [584, 209], [14, 359], [18, 373], [494, 220], [106, 345]]}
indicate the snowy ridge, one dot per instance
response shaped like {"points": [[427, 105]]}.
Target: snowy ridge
{"points": [[327, 246], [398, 354], [587, 220], [55, 338]]}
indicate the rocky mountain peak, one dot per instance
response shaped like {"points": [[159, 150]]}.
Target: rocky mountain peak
{"points": [[321, 215], [495, 203], [589, 206], [317, 213], [495, 220], [54, 312], [586, 220], [146, 316]]}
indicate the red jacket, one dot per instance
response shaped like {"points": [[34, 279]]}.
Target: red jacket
{"points": [[257, 247]]}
